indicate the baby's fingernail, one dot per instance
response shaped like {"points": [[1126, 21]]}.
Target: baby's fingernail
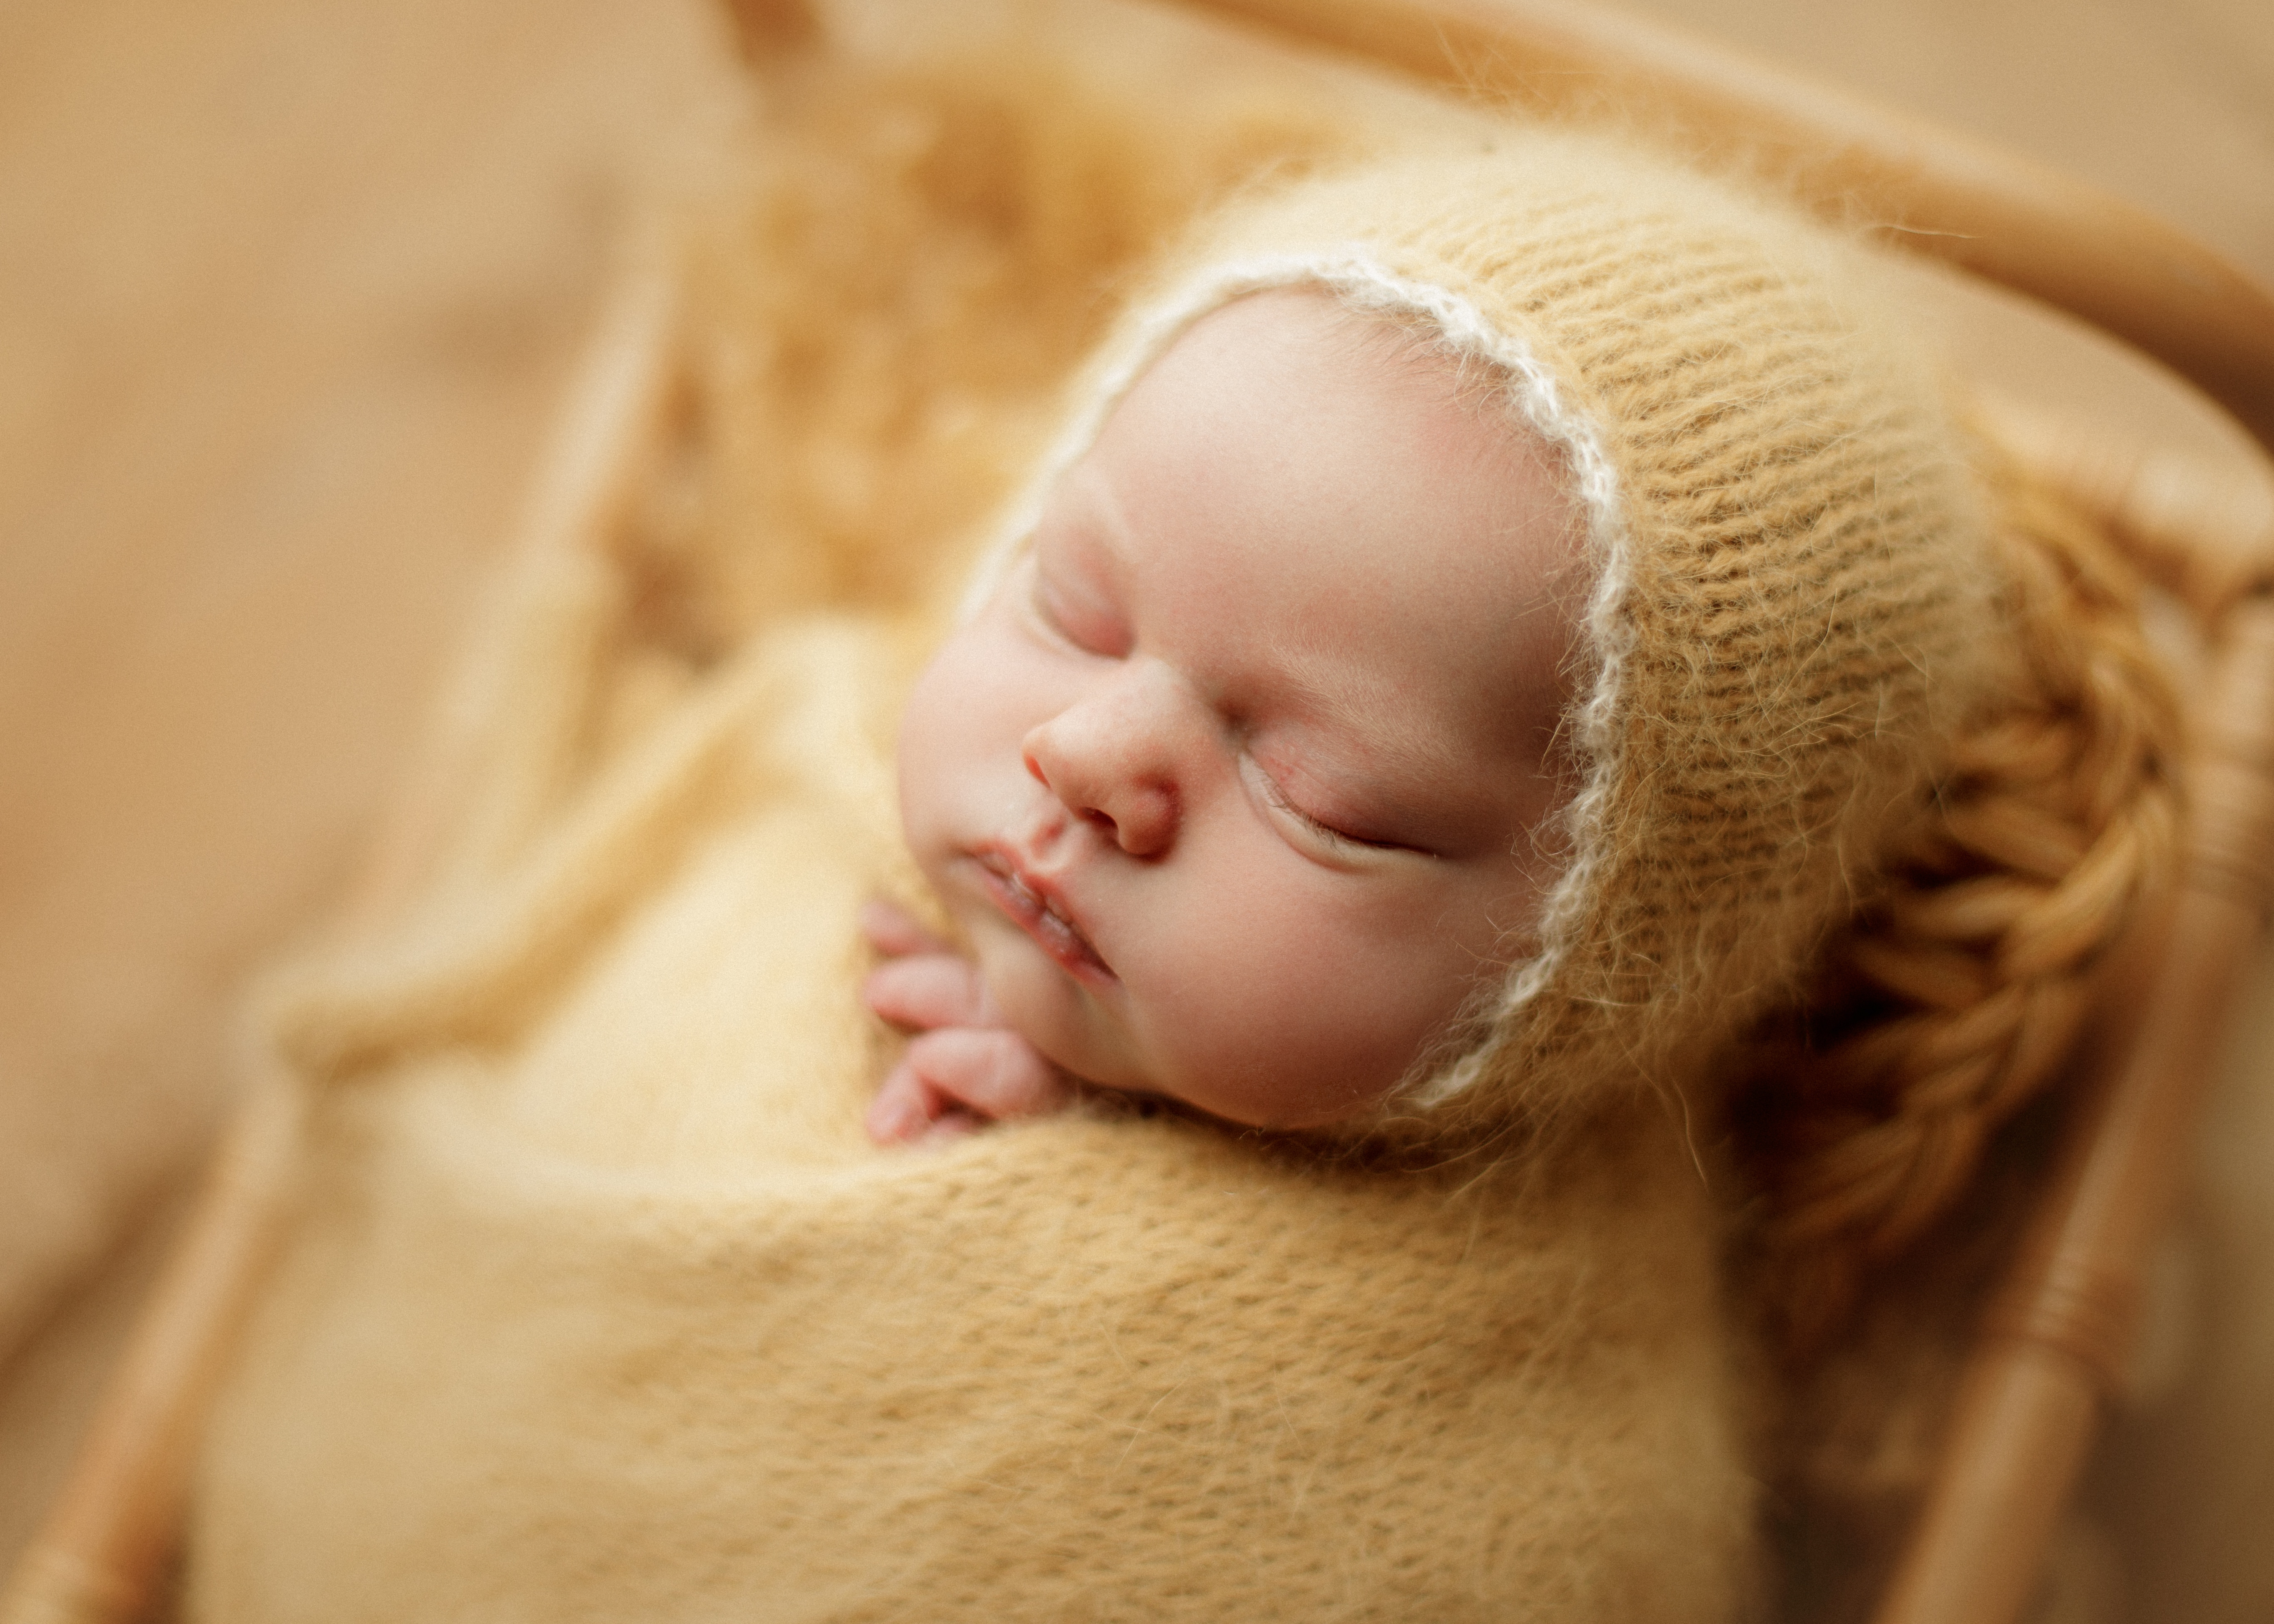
{"points": [[954, 1124], [893, 1119]]}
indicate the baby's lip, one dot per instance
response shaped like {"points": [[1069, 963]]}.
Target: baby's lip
{"points": [[1036, 906]]}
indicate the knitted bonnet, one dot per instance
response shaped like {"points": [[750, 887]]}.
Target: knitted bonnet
{"points": [[1788, 599]]}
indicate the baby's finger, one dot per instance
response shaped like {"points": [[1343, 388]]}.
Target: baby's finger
{"points": [[902, 1110], [894, 932], [927, 990], [997, 1074], [907, 1111], [952, 1124]]}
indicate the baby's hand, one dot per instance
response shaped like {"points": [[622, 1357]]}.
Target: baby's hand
{"points": [[964, 1068]]}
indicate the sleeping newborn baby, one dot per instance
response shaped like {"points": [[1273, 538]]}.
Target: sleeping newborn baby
{"points": [[1274, 743], [1234, 780], [1488, 613]]}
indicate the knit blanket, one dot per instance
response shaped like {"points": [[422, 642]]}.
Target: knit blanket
{"points": [[600, 1306]]}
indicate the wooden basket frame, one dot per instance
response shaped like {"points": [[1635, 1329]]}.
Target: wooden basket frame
{"points": [[2051, 1351]]}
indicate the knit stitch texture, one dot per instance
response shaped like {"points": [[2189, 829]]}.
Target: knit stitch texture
{"points": [[1789, 603], [601, 1307]]}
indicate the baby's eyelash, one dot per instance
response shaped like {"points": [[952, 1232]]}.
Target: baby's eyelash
{"points": [[1327, 832]]}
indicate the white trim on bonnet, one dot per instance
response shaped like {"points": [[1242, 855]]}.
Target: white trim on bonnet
{"points": [[1364, 283]]}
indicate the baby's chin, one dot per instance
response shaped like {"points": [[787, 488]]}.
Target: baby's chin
{"points": [[1298, 1106], [1046, 1006]]}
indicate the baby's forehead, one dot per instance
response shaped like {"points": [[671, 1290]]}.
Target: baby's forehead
{"points": [[1383, 360], [1406, 347], [1346, 497], [1387, 403], [1410, 344]]}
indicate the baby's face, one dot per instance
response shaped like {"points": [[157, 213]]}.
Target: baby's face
{"points": [[1231, 783]]}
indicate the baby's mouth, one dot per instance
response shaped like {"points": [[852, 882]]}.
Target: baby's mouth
{"points": [[1036, 912]]}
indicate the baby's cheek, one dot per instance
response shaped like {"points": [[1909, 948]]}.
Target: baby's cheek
{"points": [[1294, 1011]]}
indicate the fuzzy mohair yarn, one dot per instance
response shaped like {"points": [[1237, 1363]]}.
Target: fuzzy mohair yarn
{"points": [[1788, 587], [600, 1306]]}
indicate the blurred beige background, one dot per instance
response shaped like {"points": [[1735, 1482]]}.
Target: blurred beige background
{"points": [[287, 295]]}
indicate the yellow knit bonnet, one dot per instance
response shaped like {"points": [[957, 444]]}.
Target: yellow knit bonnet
{"points": [[1790, 601]]}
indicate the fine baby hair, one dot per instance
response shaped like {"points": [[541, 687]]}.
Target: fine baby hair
{"points": [[613, 1311]]}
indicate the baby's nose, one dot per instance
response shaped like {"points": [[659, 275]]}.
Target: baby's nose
{"points": [[1112, 759]]}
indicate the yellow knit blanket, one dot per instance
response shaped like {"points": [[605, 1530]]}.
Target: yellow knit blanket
{"points": [[601, 1307]]}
